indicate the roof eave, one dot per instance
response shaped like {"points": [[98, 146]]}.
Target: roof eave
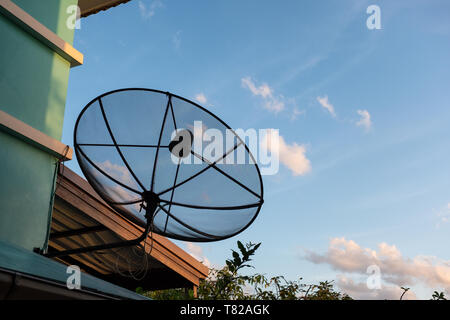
{"points": [[90, 7]]}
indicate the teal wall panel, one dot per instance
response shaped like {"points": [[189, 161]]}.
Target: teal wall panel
{"points": [[26, 181], [33, 88], [33, 80], [51, 13]]}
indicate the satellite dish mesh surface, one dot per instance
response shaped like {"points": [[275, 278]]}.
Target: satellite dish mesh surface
{"points": [[125, 141]]}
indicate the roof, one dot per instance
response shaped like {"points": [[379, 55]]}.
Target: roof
{"points": [[89, 7], [77, 207], [27, 275]]}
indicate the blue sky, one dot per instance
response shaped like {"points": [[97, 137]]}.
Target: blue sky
{"points": [[371, 181]]}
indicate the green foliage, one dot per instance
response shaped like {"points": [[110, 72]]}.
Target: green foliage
{"points": [[438, 296], [325, 291], [169, 294], [228, 284]]}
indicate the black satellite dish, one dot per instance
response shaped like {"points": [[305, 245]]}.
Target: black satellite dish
{"points": [[133, 146]]}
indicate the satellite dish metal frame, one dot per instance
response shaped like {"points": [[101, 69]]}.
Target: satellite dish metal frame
{"points": [[160, 204]]}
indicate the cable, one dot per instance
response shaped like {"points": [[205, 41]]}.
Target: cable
{"points": [[55, 185], [140, 267]]}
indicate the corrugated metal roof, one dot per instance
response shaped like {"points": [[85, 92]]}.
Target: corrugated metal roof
{"points": [[89, 7]]}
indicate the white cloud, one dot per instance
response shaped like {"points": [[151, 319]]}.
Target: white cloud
{"points": [[293, 72], [327, 105], [200, 97], [359, 290], [263, 90], [271, 103], [119, 172], [443, 216], [348, 256], [148, 11], [274, 105], [365, 120], [296, 113], [177, 39], [197, 252], [292, 156]]}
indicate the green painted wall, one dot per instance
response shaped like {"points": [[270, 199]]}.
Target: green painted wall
{"points": [[51, 13], [33, 78], [25, 192], [33, 88]]}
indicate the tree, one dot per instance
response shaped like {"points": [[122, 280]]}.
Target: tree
{"points": [[405, 290], [168, 294], [438, 296], [228, 284]]}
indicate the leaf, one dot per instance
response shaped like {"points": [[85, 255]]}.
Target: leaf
{"points": [[241, 247], [235, 255]]}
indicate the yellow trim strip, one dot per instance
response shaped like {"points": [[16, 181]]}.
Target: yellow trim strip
{"points": [[40, 32], [34, 137]]}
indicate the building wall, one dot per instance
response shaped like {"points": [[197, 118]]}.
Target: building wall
{"points": [[33, 87]]}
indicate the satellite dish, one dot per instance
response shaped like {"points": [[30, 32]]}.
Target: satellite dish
{"points": [[141, 150]]}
